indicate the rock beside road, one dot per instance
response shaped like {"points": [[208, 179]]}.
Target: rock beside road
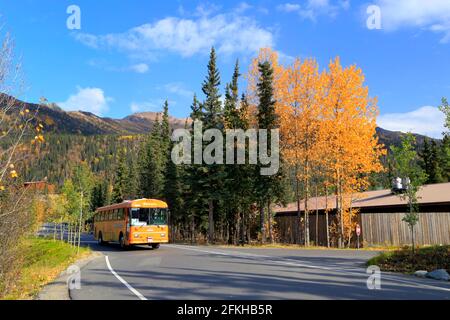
{"points": [[439, 274], [421, 273]]}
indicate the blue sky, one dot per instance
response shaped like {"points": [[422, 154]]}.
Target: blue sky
{"points": [[131, 55]]}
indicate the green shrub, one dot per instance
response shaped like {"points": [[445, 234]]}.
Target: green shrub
{"points": [[426, 258]]}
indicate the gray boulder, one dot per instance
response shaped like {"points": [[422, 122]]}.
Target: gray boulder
{"points": [[439, 274], [421, 273]]}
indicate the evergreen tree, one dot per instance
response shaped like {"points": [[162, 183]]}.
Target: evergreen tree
{"points": [[435, 173], [444, 158], [165, 134], [192, 183], [444, 153], [269, 188], [431, 161], [173, 193], [99, 194], [212, 117], [212, 107], [426, 157], [153, 157], [120, 181], [131, 191], [232, 188]]}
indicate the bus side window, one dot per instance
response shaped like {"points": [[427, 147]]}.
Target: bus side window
{"points": [[120, 214]]}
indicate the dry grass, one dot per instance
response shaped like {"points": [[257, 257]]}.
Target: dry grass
{"points": [[43, 261]]}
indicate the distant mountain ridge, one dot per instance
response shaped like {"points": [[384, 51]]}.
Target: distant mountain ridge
{"points": [[57, 120]]}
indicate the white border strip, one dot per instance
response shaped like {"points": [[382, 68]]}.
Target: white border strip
{"points": [[137, 293]]}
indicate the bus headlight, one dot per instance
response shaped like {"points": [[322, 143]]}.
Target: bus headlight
{"points": [[163, 234], [136, 235]]}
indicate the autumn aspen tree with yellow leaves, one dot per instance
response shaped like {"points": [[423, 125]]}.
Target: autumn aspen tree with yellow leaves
{"points": [[327, 120]]}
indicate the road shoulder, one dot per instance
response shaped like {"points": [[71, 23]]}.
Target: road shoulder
{"points": [[58, 289]]}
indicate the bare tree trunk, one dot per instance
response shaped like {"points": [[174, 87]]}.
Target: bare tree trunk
{"points": [[192, 229], [61, 229], [242, 238], [342, 214], [339, 212], [80, 222], [54, 231], [317, 217], [269, 219], [69, 233], [307, 238], [263, 222], [326, 216], [211, 222], [299, 213]]}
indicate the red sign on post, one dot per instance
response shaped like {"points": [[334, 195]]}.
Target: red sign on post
{"points": [[358, 230]]}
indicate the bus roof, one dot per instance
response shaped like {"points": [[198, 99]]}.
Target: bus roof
{"points": [[140, 203]]}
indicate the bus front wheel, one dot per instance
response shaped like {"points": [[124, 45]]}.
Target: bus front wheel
{"points": [[155, 246], [100, 239], [122, 242]]}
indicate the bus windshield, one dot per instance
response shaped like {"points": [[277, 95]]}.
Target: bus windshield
{"points": [[146, 216]]}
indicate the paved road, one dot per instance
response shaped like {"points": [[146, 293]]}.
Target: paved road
{"points": [[202, 272]]}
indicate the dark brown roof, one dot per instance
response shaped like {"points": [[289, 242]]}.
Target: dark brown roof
{"points": [[428, 194]]}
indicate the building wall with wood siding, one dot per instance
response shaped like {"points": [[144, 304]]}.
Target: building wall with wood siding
{"points": [[378, 227], [389, 229]]}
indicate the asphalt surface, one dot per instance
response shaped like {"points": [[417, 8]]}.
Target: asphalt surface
{"points": [[208, 272]]}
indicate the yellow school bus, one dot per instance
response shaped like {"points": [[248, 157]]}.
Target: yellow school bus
{"points": [[135, 222]]}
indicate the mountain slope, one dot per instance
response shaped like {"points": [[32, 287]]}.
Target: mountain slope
{"points": [[57, 120]]}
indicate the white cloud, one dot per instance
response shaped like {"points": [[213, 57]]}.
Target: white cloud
{"points": [[178, 89], [314, 8], [229, 32], [87, 99], [102, 64], [155, 105], [242, 7], [425, 120], [289, 7], [139, 68], [433, 15]]}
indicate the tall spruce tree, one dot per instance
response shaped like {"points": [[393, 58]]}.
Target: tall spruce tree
{"points": [[444, 153], [232, 188], [192, 183], [212, 118], [120, 180], [435, 173], [269, 188], [151, 164], [173, 193], [431, 161], [165, 134], [444, 158]]}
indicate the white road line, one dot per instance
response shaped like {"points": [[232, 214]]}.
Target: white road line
{"points": [[137, 293], [293, 262]]}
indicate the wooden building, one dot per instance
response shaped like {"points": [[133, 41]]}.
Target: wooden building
{"points": [[40, 186], [380, 217]]}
